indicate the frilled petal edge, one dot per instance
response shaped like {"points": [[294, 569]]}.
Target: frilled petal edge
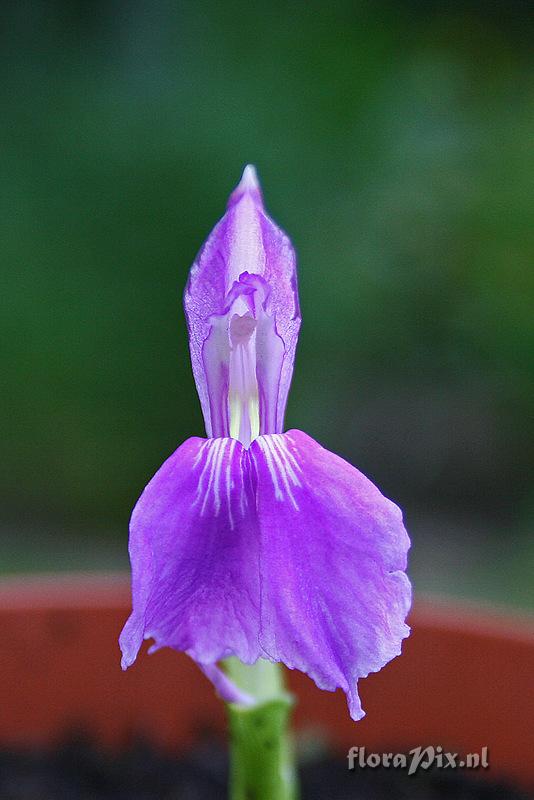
{"points": [[283, 551], [333, 555]]}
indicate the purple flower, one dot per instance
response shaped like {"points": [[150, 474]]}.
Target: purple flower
{"points": [[257, 543]]}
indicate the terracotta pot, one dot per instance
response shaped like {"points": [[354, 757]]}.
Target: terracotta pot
{"points": [[464, 680]]}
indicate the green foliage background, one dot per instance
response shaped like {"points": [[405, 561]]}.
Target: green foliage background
{"points": [[394, 143]]}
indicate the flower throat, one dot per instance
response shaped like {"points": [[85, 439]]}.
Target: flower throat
{"points": [[243, 394]]}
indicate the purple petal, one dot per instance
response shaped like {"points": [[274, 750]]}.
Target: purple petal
{"points": [[244, 246], [333, 551], [225, 687], [194, 551], [282, 551]]}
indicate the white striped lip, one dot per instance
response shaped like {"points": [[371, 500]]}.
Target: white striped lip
{"points": [[216, 481], [282, 465], [223, 464]]}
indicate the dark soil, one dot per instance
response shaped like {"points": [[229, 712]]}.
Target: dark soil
{"points": [[80, 771]]}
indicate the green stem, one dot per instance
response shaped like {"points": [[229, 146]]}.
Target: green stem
{"points": [[261, 751]]}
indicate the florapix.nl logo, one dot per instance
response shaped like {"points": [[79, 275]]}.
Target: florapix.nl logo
{"points": [[418, 758]]}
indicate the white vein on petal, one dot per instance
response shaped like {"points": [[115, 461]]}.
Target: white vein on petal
{"points": [[277, 458], [209, 468], [205, 469], [229, 483], [215, 482], [217, 468], [243, 497], [280, 444]]}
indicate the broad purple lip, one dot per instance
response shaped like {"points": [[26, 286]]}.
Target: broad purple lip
{"points": [[256, 543]]}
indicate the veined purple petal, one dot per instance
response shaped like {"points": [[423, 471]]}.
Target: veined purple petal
{"points": [[194, 551], [282, 551], [246, 270], [333, 554]]}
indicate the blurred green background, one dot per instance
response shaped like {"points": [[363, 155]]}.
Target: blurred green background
{"points": [[394, 142]]}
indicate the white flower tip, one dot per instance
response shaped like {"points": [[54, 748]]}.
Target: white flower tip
{"points": [[249, 180], [248, 185]]}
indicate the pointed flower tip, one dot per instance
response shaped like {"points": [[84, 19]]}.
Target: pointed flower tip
{"points": [[249, 184]]}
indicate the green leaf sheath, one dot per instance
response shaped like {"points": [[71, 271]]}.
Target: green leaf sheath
{"points": [[261, 750]]}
